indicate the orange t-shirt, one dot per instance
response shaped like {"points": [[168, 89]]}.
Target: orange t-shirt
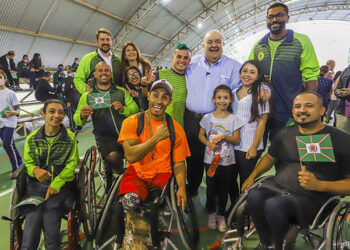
{"points": [[146, 168]]}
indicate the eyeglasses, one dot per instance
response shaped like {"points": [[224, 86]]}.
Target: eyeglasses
{"points": [[279, 16], [134, 74]]}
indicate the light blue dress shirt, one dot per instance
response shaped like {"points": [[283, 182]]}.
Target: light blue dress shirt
{"points": [[202, 79]]}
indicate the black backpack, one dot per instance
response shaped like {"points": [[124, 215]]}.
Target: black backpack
{"points": [[169, 120]]}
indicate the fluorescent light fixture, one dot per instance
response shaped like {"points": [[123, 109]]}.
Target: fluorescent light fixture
{"points": [[291, 1], [199, 25]]}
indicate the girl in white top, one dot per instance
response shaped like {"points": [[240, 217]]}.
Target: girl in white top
{"points": [[253, 112], [219, 131]]}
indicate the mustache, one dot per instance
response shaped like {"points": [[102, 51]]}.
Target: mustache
{"points": [[303, 114]]}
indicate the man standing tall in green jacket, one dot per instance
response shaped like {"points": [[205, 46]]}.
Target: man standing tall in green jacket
{"points": [[290, 61], [84, 77]]}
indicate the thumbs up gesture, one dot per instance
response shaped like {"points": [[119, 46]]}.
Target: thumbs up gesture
{"points": [[308, 180]]}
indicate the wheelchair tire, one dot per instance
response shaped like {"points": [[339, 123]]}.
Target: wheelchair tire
{"points": [[16, 232], [338, 228], [242, 198], [186, 221], [86, 189]]}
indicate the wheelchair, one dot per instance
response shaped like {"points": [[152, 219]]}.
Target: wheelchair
{"points": [[102, 216], [329, 230], [16, 218]]}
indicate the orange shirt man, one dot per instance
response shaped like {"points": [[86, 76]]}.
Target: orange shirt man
{"points": [[148, 155]]}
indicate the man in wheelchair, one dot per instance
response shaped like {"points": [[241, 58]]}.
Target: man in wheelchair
{"points": [[50, 157], [108, 106], [305, 186], [150, 153]]}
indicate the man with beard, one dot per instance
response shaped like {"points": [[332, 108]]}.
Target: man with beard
{"points": [[107, 121], [289, 59], [307, 186], [84, 77]]}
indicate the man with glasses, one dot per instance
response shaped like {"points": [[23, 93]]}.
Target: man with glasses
{"points": [[290, 62]]}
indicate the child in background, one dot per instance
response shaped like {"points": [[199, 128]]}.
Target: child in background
{"points": [[253, 112], [219, 132], [9, 110]]}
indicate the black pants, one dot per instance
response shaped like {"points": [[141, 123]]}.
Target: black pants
{"points": [[272, 212], [217, 188], [195, 165], [244, 166], [272, 127]]}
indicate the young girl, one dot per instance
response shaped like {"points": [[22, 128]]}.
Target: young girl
{"points": [[219, 131], [9, 110], [253, 113], [132, 84]]}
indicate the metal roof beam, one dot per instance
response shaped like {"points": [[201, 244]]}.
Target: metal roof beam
{"points": [[53, 37], [116, 17], [180, 18], [140, 14], [247, 15], [42, 24], [184, 31], [212, 15]]}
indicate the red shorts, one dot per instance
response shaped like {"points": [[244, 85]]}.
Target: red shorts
{"points": [[131, 183]]}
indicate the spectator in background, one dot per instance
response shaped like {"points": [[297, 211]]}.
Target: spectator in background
{"points": [[36, 70], [58, 76], [9, 66], [324, 85], [9, 110], [75, 64], [331, 64], [24, 67], [343, 92], [44, 90], [333, 100]]}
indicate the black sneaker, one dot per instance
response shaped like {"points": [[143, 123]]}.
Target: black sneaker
{"points": [[263, 247]]}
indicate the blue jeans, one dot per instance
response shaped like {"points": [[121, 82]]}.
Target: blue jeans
{"points": [[6, 135]]}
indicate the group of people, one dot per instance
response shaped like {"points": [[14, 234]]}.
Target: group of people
{"points": [[222, 114]]}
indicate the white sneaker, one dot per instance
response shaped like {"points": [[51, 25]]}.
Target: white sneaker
{"points": [[221, 224], [212, 221]]}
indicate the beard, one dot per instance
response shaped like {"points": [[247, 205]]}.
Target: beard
{"points": [[279, 30], [104, 50]]}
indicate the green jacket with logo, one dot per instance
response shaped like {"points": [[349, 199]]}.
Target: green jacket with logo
{"points": [[60, 158], [86, 69], [294, 62]]}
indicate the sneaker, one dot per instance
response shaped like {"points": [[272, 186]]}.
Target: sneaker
{"points": [[221, 224], [263, 247], [212, 221]]}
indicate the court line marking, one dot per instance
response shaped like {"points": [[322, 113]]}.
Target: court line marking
{"points": [[6, 192]]}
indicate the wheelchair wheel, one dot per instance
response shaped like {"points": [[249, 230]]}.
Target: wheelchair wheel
{"points": [[338, 228], [16, 231], [87, 193], [242, 198], [186, 221]]}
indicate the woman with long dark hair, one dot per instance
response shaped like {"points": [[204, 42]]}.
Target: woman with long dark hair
{"points": [[253, 112]]}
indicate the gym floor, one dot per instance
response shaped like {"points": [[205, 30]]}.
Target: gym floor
{"points": [[208, 239]]}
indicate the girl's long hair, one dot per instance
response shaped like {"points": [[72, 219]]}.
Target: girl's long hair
{"points": [[146, 65], [225, 88], [126, 77], [254, 90], [36, 61]]}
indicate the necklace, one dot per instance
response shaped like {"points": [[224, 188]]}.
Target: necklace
{"points": [[150, 130]]}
